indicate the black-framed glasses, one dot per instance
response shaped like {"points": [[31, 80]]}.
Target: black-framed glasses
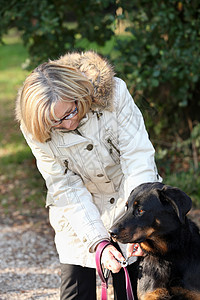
{"points": [[66, 117]]}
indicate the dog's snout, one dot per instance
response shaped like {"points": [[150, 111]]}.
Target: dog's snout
{"points": [[113, 232], [116, 231]]}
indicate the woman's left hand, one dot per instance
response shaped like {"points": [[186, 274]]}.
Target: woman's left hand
{"points": [[110, 259]]}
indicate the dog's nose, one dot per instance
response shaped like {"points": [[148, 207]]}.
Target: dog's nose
{"points": [[113, 232]]}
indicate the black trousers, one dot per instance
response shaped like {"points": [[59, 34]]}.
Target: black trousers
{"points": [[79, 283]]}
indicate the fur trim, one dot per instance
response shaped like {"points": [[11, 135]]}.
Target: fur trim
{"points": [[98, 71]]}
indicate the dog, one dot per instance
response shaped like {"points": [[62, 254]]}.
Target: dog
{"points": [[155, 218]]}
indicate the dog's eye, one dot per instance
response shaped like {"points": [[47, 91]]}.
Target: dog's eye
{"points": [[139, 212]]}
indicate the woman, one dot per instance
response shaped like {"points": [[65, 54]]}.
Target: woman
{"points": [[92, 149]]}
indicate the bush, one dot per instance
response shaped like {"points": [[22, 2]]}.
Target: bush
{"points": [[157, 53], [50, 28], [160, 59]]}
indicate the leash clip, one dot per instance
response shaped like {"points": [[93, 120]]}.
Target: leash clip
{"points": [[124, 263]]}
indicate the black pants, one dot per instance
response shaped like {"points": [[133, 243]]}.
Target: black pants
{"points": [[79, 283]]}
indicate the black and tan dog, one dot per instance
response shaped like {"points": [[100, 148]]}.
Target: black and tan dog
{"points": [[156, 219]]}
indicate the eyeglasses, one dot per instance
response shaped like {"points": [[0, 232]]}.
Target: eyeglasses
{"points": [[67, 117]]}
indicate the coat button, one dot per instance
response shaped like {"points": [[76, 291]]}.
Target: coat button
{"points": [[112, 200], [89, 147], [100, 175], [84, 240]]}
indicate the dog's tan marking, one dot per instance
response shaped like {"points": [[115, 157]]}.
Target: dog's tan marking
{"points": [[139, 232], [158, 222], [145, 246], [163, 293], [149, 231], [146, 233], [155, 295], [190, 295], [159, 246]]}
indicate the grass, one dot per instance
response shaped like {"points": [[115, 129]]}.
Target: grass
{"points": [[21, 185]]}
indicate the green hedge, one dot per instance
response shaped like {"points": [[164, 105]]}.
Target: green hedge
{"points": [[156, 52]]}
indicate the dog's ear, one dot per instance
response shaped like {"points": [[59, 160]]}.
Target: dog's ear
{"points": [[180, 201]]}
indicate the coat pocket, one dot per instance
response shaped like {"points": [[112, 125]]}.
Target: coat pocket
{"points": [[66, 163]]}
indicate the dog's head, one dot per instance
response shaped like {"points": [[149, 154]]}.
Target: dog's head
{"points": [[153, 210]]}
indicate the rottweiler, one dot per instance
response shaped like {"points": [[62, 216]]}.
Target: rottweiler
{"points": [[155, 218]]}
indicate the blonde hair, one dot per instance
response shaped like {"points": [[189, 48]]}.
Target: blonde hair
{"points": [[48, 84]]}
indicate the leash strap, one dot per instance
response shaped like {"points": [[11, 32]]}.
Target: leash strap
{"points": [[104, 280]]}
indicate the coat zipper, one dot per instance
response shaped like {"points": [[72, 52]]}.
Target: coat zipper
{"points": [[66, 163], [111, 143], [98, 113]]}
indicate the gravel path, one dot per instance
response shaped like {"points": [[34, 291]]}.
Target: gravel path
{"points": [[29, 266]]}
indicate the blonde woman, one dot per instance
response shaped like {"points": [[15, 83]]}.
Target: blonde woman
{"points": [[92, 149]]}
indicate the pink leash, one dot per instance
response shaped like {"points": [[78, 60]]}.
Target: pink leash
{"points": [[104, 280]]}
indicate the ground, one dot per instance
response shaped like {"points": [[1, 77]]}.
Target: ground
{"points": [[29, 266]]}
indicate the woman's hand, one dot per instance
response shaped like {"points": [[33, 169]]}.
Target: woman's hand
{"points": [[109, 258], [134, 250]]}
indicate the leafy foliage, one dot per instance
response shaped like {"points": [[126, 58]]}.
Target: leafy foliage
{"points": [[157, 53], [162, 57], [50, 27], [160, 60]]}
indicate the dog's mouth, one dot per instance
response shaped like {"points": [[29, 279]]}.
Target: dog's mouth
{"points": [[126, 236], [137, 251], [114, 239], [125, 239]]}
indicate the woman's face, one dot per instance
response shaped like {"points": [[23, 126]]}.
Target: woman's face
{"points": [[64, 109]]}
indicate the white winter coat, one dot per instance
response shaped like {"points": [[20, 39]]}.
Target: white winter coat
{"points": [[91, 171]]}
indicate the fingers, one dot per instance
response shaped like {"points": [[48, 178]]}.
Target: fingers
{"points": [[134, 250], [129, 250], [109, 259]]}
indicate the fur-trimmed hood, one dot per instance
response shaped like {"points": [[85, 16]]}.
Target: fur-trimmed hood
{"points": [[98, 70]]}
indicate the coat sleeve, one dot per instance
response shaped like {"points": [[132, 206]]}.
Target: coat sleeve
{"points": [[136, 150], [69, 193]]}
